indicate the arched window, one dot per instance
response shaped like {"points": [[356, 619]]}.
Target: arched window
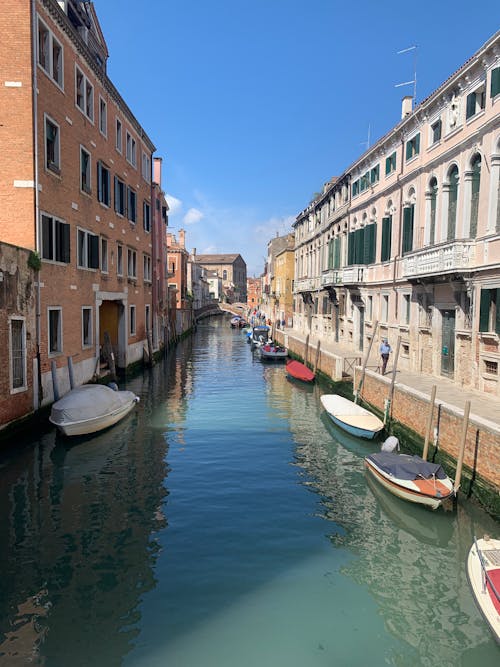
{"points": [[433, 189], [474, 198], [452, 202]]}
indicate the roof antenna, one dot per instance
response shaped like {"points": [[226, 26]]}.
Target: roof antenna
{"points": [[414, 80]]}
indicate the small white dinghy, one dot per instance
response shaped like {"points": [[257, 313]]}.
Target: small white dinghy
{"points": [[351, 417], [483, 572], [90, 408]]}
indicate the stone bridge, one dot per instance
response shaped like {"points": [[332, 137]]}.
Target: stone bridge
{"points": [[217, 308]]}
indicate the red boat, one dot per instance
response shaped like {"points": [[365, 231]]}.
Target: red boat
{"points": [[299, 371]]}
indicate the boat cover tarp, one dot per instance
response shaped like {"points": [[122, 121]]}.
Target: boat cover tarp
{"points": [[404, 466], [88, 402]]}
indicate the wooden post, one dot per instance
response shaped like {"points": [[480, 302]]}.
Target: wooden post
{"points": [[317, 357], [357, 393], [429, 423], [150, 347], [460, 461], [70, 373], [388, 403], [306, 351], [53, 370]]}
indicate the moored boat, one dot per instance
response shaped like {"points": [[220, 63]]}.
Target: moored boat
{"points": [[411, 478], [259, 335], [483, 572], [90, 408], [272, 352], [352, 417], [299, 371]]}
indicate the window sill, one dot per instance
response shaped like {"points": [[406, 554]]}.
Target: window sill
{"points": [[488, 335], [53, 169], [433, 146], [471, 119]]}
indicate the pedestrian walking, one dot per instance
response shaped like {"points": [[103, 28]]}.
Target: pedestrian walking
{"points": [[385, 350]]}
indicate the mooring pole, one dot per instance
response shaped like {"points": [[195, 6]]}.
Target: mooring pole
{"points": [[388, 403], [460, 461], [429, 423], [70, 373], [306, 351], [317, 357], [365, 361]]}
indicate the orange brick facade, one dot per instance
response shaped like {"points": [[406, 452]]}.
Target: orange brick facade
{"points": [[97, 261]]}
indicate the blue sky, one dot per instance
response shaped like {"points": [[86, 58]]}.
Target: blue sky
{"points": [[254, 105]]}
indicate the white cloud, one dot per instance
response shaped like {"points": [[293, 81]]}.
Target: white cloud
{"points": [[174, 204], [193, 216]]}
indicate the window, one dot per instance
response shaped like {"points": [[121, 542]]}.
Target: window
{"points": [[406, 309], [475, 102], [120, 203], [146, 167], [413, 147], [131, 150], [375, 174], [85, 184], [384, 315], [385, 253], [474, 195], [132, 322], [489, 310], [452, 203], [103, 184], [131, 263], [436, 131], [491, 367], [55, 240], [131, 205], [224, 275], [88, 250], [433, 185], [119, 135], [390, 163], [361, 245], [119, 260], [355, 188], [364, 181], [52, 147], [55, 331], [86, 327], [84, 94], [147, 268], [408, 219], [103, 117], [50, 54], [147, 216], [17, 341], [104, 255], [495, 82], [369, 308]]}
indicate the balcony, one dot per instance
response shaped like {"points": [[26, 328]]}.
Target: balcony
{"points": [[447, 258], [353, 275], [331, 277], [307, 284]]}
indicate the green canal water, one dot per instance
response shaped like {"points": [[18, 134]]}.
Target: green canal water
{"points": [[226, 523]]}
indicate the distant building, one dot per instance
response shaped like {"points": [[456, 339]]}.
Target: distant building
{"points": [[177, 261], [282, 286], [214, 285], [254, 292], [274, 246], [233, 271]]}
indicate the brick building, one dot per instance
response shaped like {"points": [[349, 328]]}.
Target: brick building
{"points": [[254, 292], [177, 261], [75, 181], [233, 271]]}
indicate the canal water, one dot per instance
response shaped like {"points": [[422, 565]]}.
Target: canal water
{"points": [[226, 523]]}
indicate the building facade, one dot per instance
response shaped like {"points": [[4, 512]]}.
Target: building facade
{"points": [[254, 293], [177, 260], [233, 271], [409, 236], [76, 178]]}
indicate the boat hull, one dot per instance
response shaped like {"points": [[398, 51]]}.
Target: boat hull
{"points": [[352, 418], [483, 595], [421, 492], [299, 371]]}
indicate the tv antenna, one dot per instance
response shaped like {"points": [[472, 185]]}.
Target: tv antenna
{"points": [[414, 80]]}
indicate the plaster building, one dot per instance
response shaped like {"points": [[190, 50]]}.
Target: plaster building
{"points": [[274, 246], [254, 292], [177, 260], [409, 235], [282, 287], [75, 179], [233, 271]]}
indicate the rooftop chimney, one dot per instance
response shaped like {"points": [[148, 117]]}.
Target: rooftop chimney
{"points": [[406, 106], [157, 170], [182, 238]]}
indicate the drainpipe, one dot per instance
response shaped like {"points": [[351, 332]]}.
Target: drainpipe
{"points": [[37, 204]]}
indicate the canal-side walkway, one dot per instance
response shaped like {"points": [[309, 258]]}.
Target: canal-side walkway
{"points": [[484, 407]]}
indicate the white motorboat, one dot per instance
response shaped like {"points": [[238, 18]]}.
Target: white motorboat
{"points": [[483, 572], [352, 417], [90, 408], [272, 352]]}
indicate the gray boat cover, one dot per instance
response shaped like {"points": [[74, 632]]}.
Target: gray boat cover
{"points": [[404, 466], [88, 402]]}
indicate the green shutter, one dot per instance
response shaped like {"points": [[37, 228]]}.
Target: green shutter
{"points": [[484, 310], [407, 230], [416, 142], [408, 150], [330, 254], [369, 244], [336, 253], [495, 82], [350, 248], [471, 105]]}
